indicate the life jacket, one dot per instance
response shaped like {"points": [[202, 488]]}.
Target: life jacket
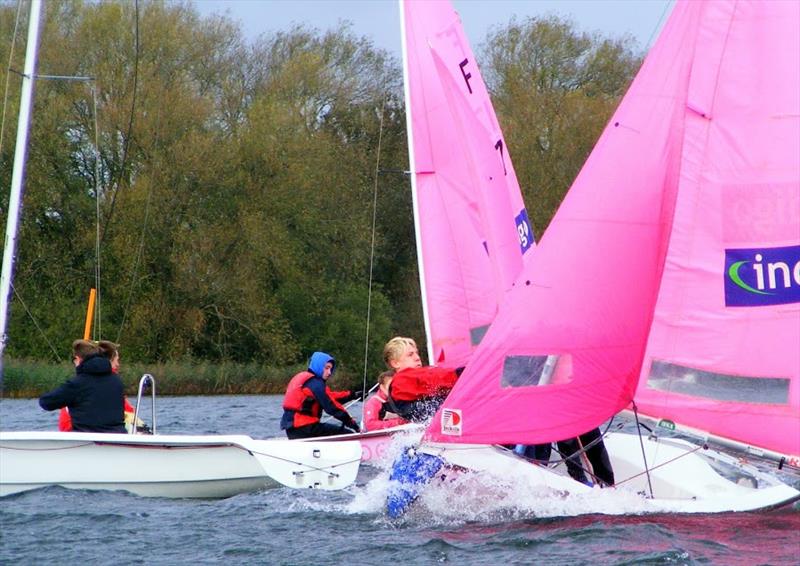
{"points": [[301, 400], [414, 384], [65, 420]]}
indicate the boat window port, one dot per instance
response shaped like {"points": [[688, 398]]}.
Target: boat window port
{"points": [[536, 370]]}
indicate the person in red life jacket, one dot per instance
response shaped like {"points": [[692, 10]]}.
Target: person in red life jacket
{"points": [[416, 392], [308, 394], [94, 396], [111, 351], [376, 413]]}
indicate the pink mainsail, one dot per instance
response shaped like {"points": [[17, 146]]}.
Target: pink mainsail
{"points": [[696, 179], [472, 227]]}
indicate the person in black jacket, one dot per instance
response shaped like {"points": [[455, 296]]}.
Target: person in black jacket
{"points": [[94, 396]]}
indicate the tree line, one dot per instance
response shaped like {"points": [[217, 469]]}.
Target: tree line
{"points": [[230, 184]]}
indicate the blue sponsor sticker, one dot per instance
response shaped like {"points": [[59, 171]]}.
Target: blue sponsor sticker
{"points": [[524, 230], [762, 276]]}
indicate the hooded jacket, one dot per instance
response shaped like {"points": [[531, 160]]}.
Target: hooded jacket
{"points": [[95, 397], [307, 395]]}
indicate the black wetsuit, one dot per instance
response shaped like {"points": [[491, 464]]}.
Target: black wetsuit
{"points": [[569, 449]]}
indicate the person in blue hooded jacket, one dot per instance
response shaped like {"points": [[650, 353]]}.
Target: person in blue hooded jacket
{"points": [[308, 394]]}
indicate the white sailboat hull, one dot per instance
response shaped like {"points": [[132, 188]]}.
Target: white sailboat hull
{"points": [[685, 479], [375, 444], [175, 466], [682, 476]]}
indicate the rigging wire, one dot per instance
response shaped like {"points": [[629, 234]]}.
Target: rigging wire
{"points": [[139, 254], [36, 324], [127, 139], [8, 75], [372, 244], [657, 27], [140, 250], [105, 225], [641, 444]]}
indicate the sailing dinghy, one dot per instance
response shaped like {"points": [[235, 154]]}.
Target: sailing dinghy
{"points": [[472, 230], [668, 283], [152, 465], [169, 465]]}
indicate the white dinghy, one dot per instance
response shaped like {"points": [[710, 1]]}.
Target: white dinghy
{"points": [[171, 465], [175, 466], [678, 477]]}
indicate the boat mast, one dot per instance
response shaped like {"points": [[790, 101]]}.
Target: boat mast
{"points": [[413, 173], [18, 175]]}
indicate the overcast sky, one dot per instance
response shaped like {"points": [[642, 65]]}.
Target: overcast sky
{"points": [[379, 19]]}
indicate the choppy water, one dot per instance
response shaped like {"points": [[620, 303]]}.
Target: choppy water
{"points": [[472, 525]]}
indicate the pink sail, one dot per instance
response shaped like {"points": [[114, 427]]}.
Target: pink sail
{"points": [[472, 227], [695, 179], [724, 349]]}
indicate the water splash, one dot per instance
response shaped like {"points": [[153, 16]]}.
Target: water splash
{"points": [[460, 497]]}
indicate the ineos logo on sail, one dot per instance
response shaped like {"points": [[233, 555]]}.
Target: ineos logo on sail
{"points": [[762, 276]]}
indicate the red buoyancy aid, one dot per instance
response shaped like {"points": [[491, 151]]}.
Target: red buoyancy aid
{"points": [[411, 384], [301, 400], [65, 420]]}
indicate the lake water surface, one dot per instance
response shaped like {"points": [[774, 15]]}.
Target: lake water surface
{"points": [[284, 526]]}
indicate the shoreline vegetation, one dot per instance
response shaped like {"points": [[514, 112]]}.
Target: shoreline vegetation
{"points": [[229, 188], [27, 378]]}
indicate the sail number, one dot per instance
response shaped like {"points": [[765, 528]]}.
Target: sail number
{"points": [[524, 230]]}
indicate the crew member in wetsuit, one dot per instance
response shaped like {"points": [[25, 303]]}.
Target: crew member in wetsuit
{"points": [[94, 397], [308, 394]]}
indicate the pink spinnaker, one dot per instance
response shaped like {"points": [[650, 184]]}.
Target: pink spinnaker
{"points": [[472, 227], [670, 274]]}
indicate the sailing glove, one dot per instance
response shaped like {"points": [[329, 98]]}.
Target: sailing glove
{"points": [[351, 425], [356, 395]]}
